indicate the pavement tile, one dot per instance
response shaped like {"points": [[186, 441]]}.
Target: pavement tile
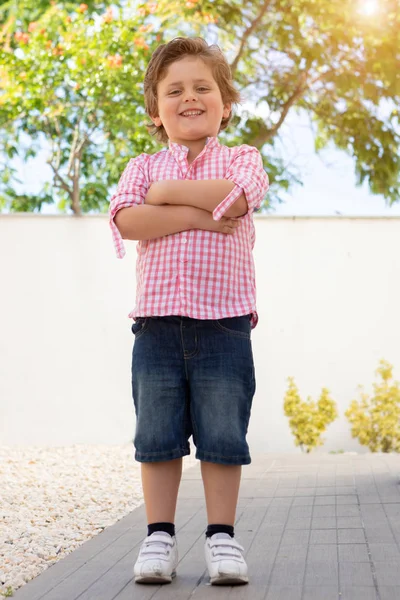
{"points": [[349, 522], [384, 552], [287, 572], [314, 593], [298, 523], [326, 510], [376, 534], [284, 592], [322, 552], [388, 573], [321, 574], [292, 552], [295, 536], [306, 491], [353, 553], [355, 574], [320, 500], [346, 500], [323, 536], [347, 510], [357, 593], [389, 592], [305, 500], [323, 523]]}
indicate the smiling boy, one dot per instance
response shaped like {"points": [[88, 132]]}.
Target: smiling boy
{"points": [[190, 207]]}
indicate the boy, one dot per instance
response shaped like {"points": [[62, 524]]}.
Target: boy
{"points": [[190, 208]]}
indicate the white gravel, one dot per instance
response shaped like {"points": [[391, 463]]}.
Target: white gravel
{"points": [[54, 499]]}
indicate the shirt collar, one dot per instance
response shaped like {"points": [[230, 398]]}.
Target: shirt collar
{"points": [[179, 150]]}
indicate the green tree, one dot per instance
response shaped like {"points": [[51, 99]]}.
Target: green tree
{"points": [[320, 57], [328, 59], [308, 419], [75, 82], [20, 14], [375, 420]]}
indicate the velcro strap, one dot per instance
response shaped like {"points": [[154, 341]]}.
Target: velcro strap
{"points": [[224, 542], [160, 539]]}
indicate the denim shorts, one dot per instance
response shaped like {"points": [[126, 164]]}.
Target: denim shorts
{"points": [[192, 377]]}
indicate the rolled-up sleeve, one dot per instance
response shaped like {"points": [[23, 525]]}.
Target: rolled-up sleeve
{"points": [[131, 191], [247, 172]]}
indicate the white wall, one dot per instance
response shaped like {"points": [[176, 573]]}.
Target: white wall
{"points": [[328, 298]]}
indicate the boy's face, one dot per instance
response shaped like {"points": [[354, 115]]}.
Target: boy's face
{"points": [[190, 104]]}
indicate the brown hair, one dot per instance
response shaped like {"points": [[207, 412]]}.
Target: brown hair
{"points": [[175, 50]]}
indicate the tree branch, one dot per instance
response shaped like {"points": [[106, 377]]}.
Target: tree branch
{"points": [[298, 92], [248, 33], [72, 151], [63, 184], [55, 167]]}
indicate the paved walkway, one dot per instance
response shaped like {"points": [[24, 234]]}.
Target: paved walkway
{"points": [[315, 527]]}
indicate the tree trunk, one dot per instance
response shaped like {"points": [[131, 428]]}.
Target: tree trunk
{"points": [[75, 200]]}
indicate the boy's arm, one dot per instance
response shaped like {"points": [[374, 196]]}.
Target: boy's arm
{"points": [[247, 172], [147, 222], [242, 190], [206, 194], [131, 192]]}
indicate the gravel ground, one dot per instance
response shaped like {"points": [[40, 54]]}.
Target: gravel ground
{"points": [[54, 499]]}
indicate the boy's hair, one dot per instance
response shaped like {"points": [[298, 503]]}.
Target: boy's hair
{"points": [[176, 49]]}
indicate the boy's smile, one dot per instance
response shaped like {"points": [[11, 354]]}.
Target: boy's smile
{"points": [[190, 105]]}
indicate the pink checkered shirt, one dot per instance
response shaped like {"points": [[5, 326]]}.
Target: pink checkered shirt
{"points": [[198, 274]]}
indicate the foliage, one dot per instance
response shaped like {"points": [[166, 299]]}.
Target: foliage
{"points": [[75, 81], [326, 58], [72, 77], [375, 420], [307, 419]]}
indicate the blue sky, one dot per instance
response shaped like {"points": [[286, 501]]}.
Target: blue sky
{"points": [[329, 183]]}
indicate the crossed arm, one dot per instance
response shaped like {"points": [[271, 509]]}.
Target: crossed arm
{"points": [[173, 206], [206, 194]]}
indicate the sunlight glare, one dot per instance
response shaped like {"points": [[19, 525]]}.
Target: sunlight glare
{"points": [[369, 7]]}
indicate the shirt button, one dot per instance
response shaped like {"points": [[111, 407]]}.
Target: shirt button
{"points": [[184, 240]]}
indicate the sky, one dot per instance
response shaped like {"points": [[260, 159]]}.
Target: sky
{"points": [[329, 184]]}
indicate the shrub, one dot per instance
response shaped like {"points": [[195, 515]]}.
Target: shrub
{"points": [[308, 419], [376, 420]]}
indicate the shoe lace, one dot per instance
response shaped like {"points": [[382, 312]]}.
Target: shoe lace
{"points": [[223, 548], [155, 546]]}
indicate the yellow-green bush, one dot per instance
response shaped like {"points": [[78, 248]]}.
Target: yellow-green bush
{"points": [[308, 419], [376, 420]]}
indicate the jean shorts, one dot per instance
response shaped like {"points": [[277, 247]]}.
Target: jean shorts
{"points": [[192, 377]]}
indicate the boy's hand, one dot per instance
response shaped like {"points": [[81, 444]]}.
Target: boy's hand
{"points": [[153, 196], [204, 220]]}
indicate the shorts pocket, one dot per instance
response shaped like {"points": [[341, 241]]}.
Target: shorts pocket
{"points": [[236, 326], [139, 326]]}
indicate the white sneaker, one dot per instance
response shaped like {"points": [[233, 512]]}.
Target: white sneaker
{"points": [[225, 562], [157, 560]]}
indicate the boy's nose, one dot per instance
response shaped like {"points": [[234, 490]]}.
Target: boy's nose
{"points": [[190, 97]]}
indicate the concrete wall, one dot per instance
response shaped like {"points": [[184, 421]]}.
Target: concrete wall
{"points": [[328, 298]]}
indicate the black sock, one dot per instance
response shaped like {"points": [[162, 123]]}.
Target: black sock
{"points": [[211, 529], [167, 527]]}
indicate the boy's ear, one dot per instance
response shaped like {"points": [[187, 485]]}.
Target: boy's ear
{"points": [[157, 121], [227, 110]]}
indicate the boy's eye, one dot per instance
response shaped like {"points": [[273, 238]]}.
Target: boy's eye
{"points": [[202, 88]]}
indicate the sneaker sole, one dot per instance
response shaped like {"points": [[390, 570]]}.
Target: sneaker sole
{"points": [[229, 580], [155, 578]]}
